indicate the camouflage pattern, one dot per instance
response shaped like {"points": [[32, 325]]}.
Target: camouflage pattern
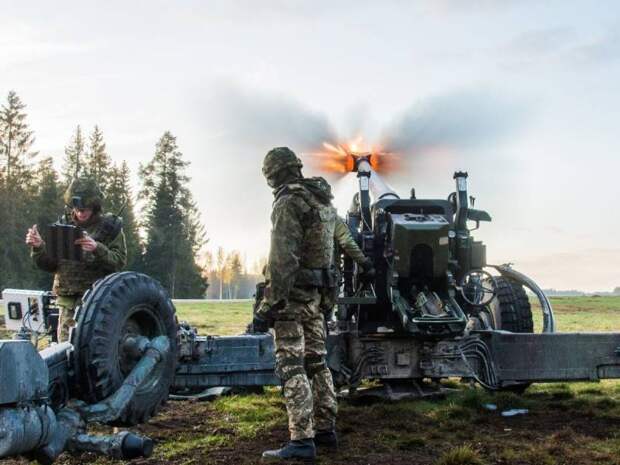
{"points": [[343, 242], [308, 390], [302, 237], [278, 159], [300, 257], [87, 190], [325, 401], [73, 278], [66, 316]]}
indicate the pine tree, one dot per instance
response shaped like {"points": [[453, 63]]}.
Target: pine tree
{"points": [[174, 233], [48, 207], [97, 162], [16, 192], [49, 194], [119, 200], [221, 270], [236, 273], [16, 141], [74, 157]]}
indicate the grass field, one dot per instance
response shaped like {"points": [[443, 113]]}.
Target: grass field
{"points": [[566, 424]]}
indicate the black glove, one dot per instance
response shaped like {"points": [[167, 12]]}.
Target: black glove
{"points": [[268, 313], [260, 325], [368, 270]]}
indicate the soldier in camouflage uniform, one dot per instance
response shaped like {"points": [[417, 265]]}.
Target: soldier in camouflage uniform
{"points": [[103, 246], [344, 243], [300, 259]]}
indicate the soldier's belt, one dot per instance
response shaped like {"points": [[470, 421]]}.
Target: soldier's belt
{"points": [[316, 277]]}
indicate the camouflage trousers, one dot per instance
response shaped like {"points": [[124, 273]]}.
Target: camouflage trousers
{"points": [[66, 317], [300, 362]]}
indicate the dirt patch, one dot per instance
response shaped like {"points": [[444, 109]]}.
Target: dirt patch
{"points": [[401, 433]]}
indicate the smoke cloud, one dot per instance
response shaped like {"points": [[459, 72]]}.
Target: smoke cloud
{"points": [[260, 121], [459, 120], [243, 125]]}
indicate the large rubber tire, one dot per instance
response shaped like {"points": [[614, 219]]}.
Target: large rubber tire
{"points": [[512, 312], [122, 304], [511, 307]]}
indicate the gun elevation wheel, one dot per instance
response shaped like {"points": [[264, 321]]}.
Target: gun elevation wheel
{"points": [[114, 311]]}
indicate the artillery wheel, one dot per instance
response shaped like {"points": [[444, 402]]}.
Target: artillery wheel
{"points": [[512, 311], [117, 307], [511, 308]]}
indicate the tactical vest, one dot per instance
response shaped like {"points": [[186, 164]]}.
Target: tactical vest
{"points": [[317, 249], [73, 277]]}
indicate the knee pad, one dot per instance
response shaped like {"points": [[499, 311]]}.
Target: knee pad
{"points": [[314, 364], [288, 367]]}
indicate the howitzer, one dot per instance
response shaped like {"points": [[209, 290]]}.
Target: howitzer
{"points": [[434, 309]]}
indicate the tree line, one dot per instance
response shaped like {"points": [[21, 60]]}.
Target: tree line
{"points": [[163, 242], [228, 275]]}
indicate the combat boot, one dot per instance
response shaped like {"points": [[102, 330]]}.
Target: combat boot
{"points": [[302, 449], [326, 440]]}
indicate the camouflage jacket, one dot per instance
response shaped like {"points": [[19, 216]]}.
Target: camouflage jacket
{"points": [[345, 242], [302, 238], [74, 278]]}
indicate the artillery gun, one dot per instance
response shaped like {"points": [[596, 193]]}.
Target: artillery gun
{"points": [[433, 311]]}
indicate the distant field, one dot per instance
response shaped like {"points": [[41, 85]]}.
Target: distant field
{"points": [[572, 314], [209, 317], [225, 318], [582, 313], [567, 424]]}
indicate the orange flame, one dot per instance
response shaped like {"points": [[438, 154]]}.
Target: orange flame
{"points": [[339, 158]]}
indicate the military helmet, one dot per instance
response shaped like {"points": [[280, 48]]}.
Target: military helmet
{"points": [[278, 159], [83, 192]]}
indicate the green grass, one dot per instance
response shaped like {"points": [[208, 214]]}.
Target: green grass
{"points": [[220, 318], [226, 318], [573, 314], [184, 444], [247, 415], [462, 455]]}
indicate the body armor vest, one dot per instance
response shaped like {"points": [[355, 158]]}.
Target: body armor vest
{"points": [[319, 223], [75, 277]]}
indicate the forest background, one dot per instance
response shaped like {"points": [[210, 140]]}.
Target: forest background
{"points": [[163, 228]]}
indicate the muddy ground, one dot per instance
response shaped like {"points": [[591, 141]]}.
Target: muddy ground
{"points": [[565, 424]]}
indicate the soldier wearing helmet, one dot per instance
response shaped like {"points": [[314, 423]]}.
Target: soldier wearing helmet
{"points": [[103, 246], [299, 268]]}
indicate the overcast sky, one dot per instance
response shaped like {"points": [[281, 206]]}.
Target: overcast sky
{"points": [[522, 95]]}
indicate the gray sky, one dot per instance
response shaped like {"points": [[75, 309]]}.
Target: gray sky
{"points": [[522, 95]]}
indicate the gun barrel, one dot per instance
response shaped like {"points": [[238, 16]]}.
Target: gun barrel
{"points": [[379, 189]]}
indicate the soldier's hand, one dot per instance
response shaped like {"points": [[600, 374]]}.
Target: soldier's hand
{"points": [[87, 243], [260, 325], [33, 238], [264, 311], [369, 272]]}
